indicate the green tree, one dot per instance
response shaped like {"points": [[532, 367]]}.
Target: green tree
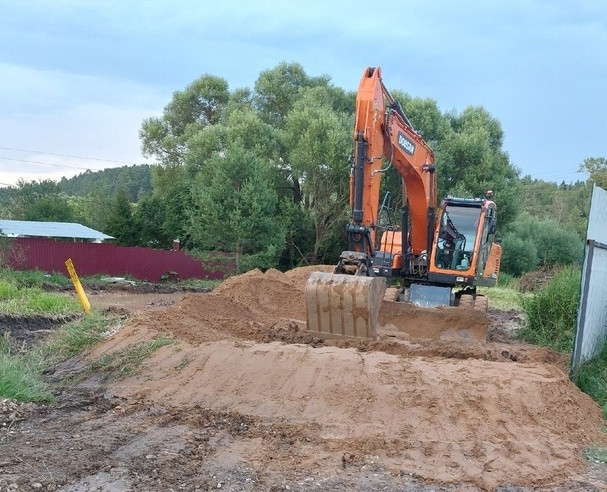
{"points": [[236, 210], [91, 210], [319, 140], [277, 90], [566, 204], [470, 161], [39, 200], [150, 216], [120, 223], [596, 168], [48, 208], [199, 105]]}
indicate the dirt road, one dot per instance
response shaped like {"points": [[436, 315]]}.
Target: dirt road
{"points": [[245, 399]]}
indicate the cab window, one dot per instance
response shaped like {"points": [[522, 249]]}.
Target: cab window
{"points": [[455, 246]]}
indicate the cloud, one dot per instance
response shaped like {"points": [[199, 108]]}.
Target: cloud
{"points": [[27, 89], [61, 113], [539, 67]]}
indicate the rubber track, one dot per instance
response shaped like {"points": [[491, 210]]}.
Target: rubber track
{"points": [[480, 303]]}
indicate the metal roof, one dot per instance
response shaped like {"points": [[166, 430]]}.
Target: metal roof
{"points": [[29, 228]]}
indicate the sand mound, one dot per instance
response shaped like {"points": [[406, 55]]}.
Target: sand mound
{"points": [[448, 411], [269, 293]]}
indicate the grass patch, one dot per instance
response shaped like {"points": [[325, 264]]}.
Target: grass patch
{"points": [[20, 382], [123, 362], [25, 301], [199, 284], [552, 312], [504, 298], [17, 380], [596, 454], [21, 373], [69, 340], [591, 378], [34, 278]]}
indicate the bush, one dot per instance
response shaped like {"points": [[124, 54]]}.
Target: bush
{"points": [[519, 256], [506, 280], [591, 378], [552, 312], [553, 245]]}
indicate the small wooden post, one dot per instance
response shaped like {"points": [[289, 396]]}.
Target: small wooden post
{"points": [[86, 305]]}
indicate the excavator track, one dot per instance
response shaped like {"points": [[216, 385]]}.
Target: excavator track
{"points": [[473, 302]]}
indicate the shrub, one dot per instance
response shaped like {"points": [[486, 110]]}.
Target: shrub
{"points": [[591, 378], [552, 312], [506, 280], [8, 290], [553, 244], [519, 256]]}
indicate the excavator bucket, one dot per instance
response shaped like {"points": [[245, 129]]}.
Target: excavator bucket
{"points": [[343, 306]]}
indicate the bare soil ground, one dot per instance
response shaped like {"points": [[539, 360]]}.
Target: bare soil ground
{"points": [[245, 399], [132, 302], [29, 329]]}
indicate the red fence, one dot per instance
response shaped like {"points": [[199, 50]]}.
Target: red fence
{"points": [[93, 258]]}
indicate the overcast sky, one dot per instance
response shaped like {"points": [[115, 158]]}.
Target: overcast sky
{"points": [[78, 77]]}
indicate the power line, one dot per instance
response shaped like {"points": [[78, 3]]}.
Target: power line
{"points": [[44, 163], [65, 155]]}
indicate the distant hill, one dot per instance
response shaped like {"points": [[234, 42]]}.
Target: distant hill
{"points": [[135, 179]]}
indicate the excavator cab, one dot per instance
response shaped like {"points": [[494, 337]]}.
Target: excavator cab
{"points": [[463, 244]]}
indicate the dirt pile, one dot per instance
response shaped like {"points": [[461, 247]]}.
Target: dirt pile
{"points": [[448, 411]]}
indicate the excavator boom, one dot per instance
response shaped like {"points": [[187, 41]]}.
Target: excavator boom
{"points": [[382, 131]]}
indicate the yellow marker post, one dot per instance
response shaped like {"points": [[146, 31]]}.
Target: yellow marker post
{"points": [[86, 305]]}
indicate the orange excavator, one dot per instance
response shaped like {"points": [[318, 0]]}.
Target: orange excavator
{"points": [[437, 255]]}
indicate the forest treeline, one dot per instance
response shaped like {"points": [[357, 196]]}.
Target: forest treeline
{"points": [[263, 173]]}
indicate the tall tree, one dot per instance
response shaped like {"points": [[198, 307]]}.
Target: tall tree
{"points": [[319, 140], [150, 216], [567, 204], [277, 90], [236, 210], [471, 161], [120, 223], [190, 110], [596, 168]]}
